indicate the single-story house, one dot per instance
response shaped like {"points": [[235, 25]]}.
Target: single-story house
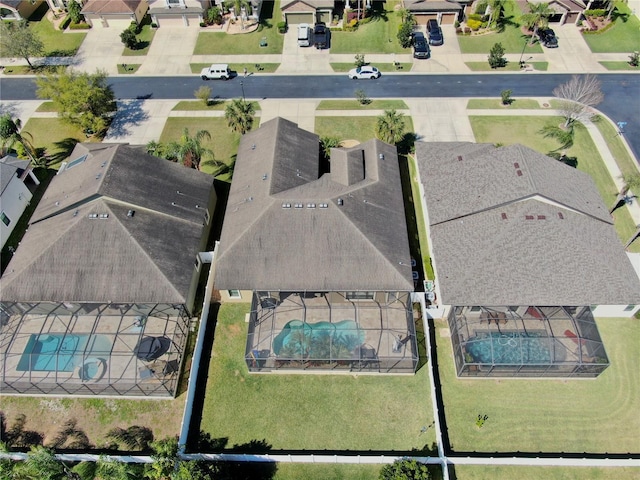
{"points": [[446, 12], [565, 11], [114, 13], [16, 181], [18, 9], [307, 11], [525, 256], [183, 13], [321, 251], [97, 298]]}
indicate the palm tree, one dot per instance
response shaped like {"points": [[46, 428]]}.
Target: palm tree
{"points": [[390, 127], [537, 18], [497, 6], [239, 114], [237, 6], [189, 150], [10, 135], [41, 463]]}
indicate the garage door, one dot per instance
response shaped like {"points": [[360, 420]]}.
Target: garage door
{"points": [[448, 18], [304, 17], [117, 22], [170, 21], [422, 19]]}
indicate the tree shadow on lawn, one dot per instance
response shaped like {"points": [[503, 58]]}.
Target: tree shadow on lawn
{"points": [[129, 113]]}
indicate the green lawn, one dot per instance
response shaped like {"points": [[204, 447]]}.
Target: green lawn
{"points": [[296, 411], [618, 66], [224, 142], [197, 105], [595, 415], [610, 133], [56, 43], [239, 67], [511, 38], [496, 104], [524, 130], [509, 67], [348, 128], [212, 43], [297, 471], [623, 37], [47, 106], [423, 238], [383, 67], [378, 36], [55, 136], [145, 37], [495, 472], [355, 105]]}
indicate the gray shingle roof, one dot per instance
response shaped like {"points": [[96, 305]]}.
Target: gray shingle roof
{"points": [[358, 242], [543, 237], [68, 256], [9, 166]]}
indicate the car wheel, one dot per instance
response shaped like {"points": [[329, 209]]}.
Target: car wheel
{"points": [[372, 77], [225, 78], [204, 78], [354, 78]]}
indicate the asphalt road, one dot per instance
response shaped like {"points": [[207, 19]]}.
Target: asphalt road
{"points": [[621, 103]]}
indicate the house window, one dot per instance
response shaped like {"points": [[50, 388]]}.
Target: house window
{"points": [[6, 220], [474, 309], [207, 217], [175, 3], [197, 263], [360, 295], [234, 293], [629, 308]]}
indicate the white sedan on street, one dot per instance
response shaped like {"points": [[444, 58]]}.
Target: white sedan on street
{"points": [[366, 71]]}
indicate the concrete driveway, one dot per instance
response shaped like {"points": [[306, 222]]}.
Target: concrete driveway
{"points": [[170, 52], [101, 49]]}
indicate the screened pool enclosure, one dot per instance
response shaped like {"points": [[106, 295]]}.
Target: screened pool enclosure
{"points": [[92, 349], [332, 331], [526, 342]]}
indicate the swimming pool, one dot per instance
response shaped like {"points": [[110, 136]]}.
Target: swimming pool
{"points": [[60, 352], [322, 340], [509, 348]]}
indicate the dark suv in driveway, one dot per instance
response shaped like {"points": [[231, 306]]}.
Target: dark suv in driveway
{"points": [[320, 35], [420, 46], [548, 38], [435, 33]]}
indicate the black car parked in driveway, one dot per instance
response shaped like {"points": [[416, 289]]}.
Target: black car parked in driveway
{"points": [[420, 46], [548, 38], [320, 35], [435, 32]]}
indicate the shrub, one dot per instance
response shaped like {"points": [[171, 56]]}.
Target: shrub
{"points": [[404, 34], [600, 12], [214, 15], [135, 27], [474, 24], [362, 98], [360, 60], [65, 23], [456, 24], [365, 20], [74, 9], [154, 25], [481, 9], [203, 93], [352, 26], [79, 26], [202, 24], [474, 16], [282, 27], [129, 39], [506, 97], [634, 59], [496, 56]]}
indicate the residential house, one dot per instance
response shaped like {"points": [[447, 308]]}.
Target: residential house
{"points": [[192, 12], [97, 298], [114, 13], [16, 178], [446, 12], [525, 256], [321, 251], [307, 11], [18, 9]]}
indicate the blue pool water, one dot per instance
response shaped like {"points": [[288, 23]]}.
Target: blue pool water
{"points": [[311, 339], [59, 352], [509, 348]]}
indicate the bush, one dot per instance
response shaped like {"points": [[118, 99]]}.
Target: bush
{"points": [[474, 24], [129, 39], [506, 97], [634, 59], [481, 9], [600, 12], [214, 16], [404, 34], [362, 98], [135, 27], [202, 24], [203, 93], [496, 56], [79, 26], [154, 25], [352, 26], [74, 9], [474, 16], [65, 23], [282, 27], [360, 61], [456, 24]]}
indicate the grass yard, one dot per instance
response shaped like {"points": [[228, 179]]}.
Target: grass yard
{"points": [[224, 142], [47, 106], [610, 133], [511, 38], [495, 472], [496, 104], [95, 416], [56, 43], [598, 415], [197, 106], [328, 471], [622, 37], [618, 66], [55, 136], [357, 128], [310, 412], [355, 105], [217, 43], [423, 238], [509, 67], [380, 35], [524, 130], [145, 37]]}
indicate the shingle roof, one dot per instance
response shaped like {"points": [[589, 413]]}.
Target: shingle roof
{"points": [[541, 237], [10, 166], [66, 255], [357, 242], [111, 6], [303, 5], [432, 5]]}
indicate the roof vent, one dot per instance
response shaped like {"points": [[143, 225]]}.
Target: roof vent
{"points": [[381, 156], [542, 217], [57, 203], [173, 204], [311, 205], [93, 215], [340, 201], [324, 205], [459, 158], [286, 205], [75, 214], [104, 215], [529, 217], [98, 176], [253, 147], [265, 176], [504, 216], [130, 213], [516, 165], [560, 216], [103, 164], [519, 173], [298, 205]]}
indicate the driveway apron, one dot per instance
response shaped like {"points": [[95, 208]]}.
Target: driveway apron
{"points": [[170, 51]]}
